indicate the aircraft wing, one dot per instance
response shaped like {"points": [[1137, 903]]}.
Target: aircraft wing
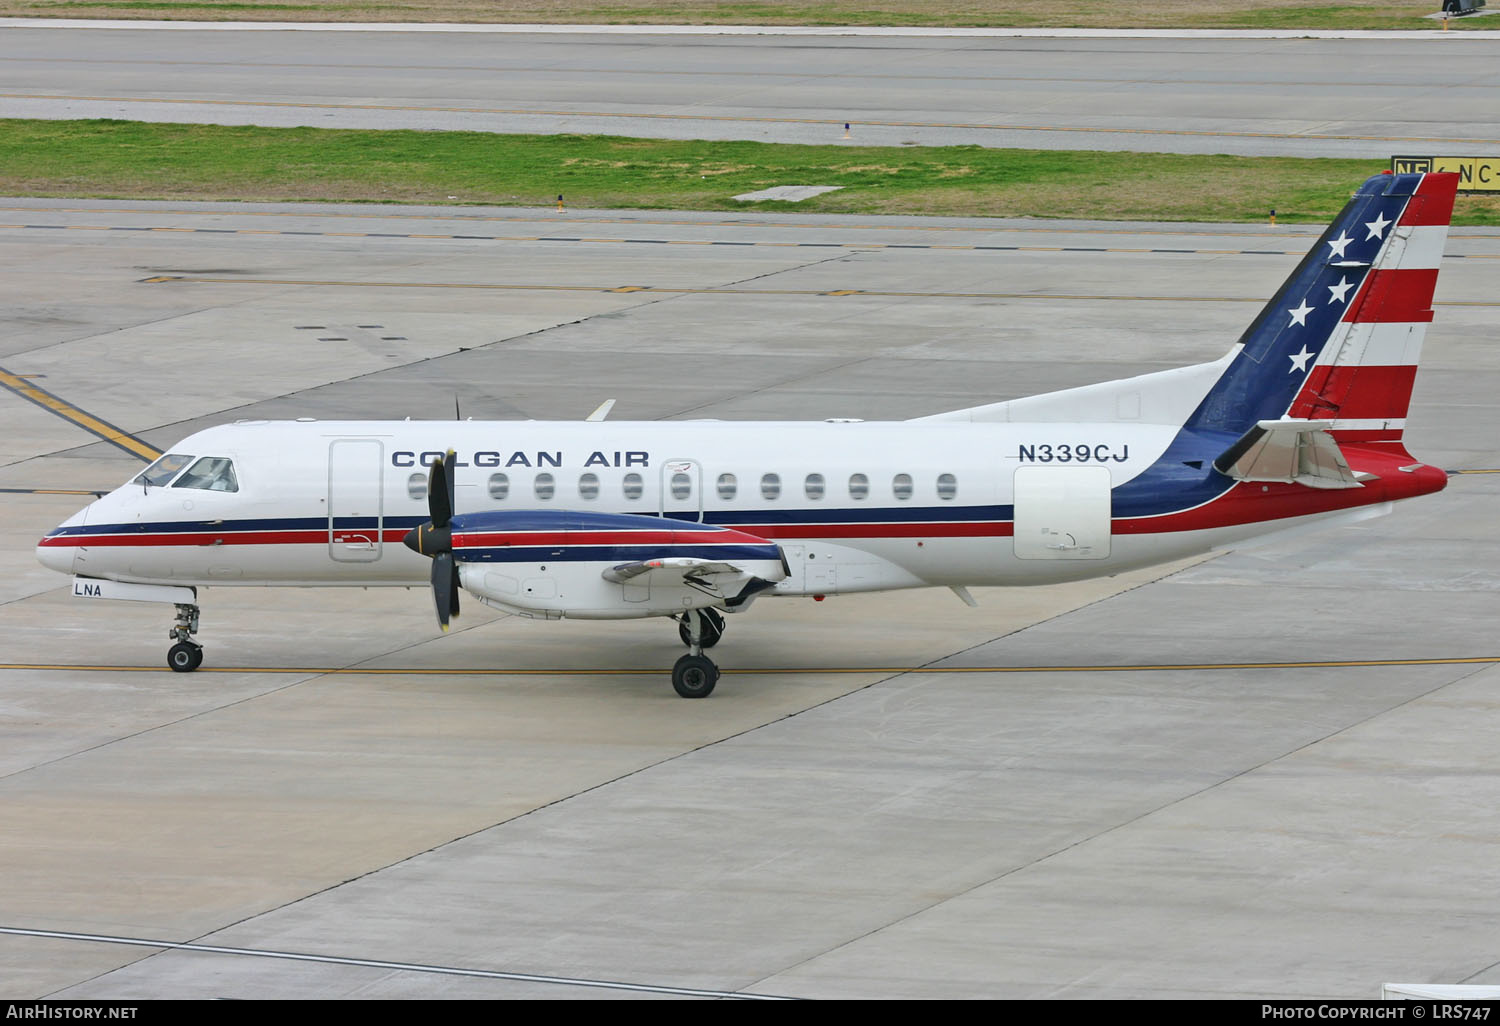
{"points": [[1290, 451], [642, 553]]}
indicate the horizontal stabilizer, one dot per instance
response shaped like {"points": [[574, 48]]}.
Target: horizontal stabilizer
{"points": [[1288, 451]]}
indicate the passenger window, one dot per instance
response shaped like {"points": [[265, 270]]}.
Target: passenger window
{"points": [[815, 486], [211, 473], [947, 486], [160, 473], [416, 486], [499, 487], [588, 486], [633, 486], [545, 486], [859, 486], [727, 486], [901, 485], [770, 486], [682, 486]]}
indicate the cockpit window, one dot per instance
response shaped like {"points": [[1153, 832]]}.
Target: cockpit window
{"points": [[160, 473], [212, 473]]}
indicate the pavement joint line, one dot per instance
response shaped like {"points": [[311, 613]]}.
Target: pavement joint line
{"points": [[1323, 664], [757, 119], [706, 242], [373, 963], [1285, 231], [794, 76], [730, 290], [703, 242], [60, 407]]}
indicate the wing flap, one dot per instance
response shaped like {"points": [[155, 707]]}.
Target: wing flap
{"points": [[719, 578]]}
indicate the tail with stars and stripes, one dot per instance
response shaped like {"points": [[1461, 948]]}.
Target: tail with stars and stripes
{"points": [[1339, 342]]}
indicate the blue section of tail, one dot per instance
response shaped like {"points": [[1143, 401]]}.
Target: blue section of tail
{"points": [[1283, 342], [1280, 348]]}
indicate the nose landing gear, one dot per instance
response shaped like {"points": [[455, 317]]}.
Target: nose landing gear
{"points": [[187, 655]]}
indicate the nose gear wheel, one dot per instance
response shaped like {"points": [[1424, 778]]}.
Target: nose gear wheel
{"points": [[187, 655]]}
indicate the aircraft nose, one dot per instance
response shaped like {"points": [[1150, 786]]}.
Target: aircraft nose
{"points": [[53, 554], [58, 549]]}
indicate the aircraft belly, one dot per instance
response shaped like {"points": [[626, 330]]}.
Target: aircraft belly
{"points": [[819, 568]]}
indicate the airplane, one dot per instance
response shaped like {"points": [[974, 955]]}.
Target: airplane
{"points": [[1301, 421]]}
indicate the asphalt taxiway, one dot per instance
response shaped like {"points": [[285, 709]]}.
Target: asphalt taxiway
{"points": [[1271, 773], [1366, 94]]}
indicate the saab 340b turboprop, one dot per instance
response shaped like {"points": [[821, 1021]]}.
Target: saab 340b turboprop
{"points": [[1302, 420]]}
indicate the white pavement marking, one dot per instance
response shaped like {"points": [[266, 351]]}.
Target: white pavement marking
{"points": [[790, 193]]}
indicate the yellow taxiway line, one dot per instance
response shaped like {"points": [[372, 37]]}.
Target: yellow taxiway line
{"points": [[67, 411]]}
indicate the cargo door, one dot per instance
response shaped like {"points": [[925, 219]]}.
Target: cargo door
{"points": [[1062, 512]]}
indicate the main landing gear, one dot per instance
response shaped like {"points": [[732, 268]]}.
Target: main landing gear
{"points": [[712, 628], [695, 675], [187, 655]]}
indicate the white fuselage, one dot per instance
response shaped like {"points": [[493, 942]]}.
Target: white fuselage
{"points": [[854, 506]]}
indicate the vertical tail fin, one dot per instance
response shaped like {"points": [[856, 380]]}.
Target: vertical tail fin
{"points": [[1362, 380], [1340, 340]]}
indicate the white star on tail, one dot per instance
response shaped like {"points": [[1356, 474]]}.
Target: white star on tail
{"points": [[1299, 315], [1340, 244], [1377, 227], [1299, 360], [1340, 290]]}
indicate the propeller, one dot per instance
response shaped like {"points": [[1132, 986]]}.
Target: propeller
{"points": [[435, 539]]}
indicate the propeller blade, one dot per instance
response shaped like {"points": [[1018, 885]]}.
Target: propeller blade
{"points": [[435, 538], [440, 490], [450, 461], [444, 588]]}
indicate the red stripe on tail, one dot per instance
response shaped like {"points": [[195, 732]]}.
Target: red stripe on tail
{"points": [[1432, 203], [1401, 295], [1355, 393]]}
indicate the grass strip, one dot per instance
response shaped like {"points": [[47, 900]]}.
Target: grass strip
{"points": [[146, 160]]}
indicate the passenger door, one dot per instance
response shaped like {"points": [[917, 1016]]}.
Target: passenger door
{"points": [[355, 499]]}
